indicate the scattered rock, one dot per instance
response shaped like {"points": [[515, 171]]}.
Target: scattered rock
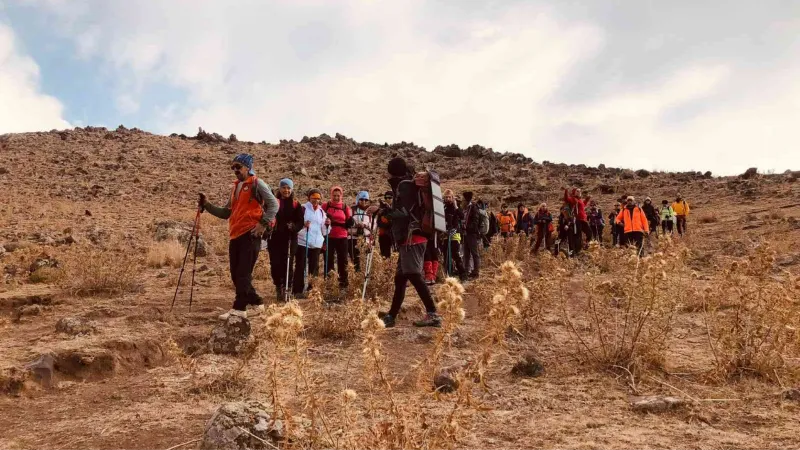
{"points": [[43, 261], [11, 247], [643, 173], [791, 394], [606, 189], [750, 173], [161, 275], [170, 229], [528, 366], [656, 404], [42, 369], [707, 174], [233, 138], [76, 326], [67, 240], [230, 336], [12, 269], [234, 425], [3, 171], [303, 171], [87, 213], [447, 379]]}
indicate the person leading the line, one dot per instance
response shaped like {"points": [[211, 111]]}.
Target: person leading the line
{"points": [[250, 209]]}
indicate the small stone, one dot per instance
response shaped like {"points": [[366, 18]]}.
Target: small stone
{"points": [[161, 275], [655, 404], [230, 336], [791, 394], [528, 366], [87, 213], [42, 369], [76, 326], [43, 261], [225, 429]]}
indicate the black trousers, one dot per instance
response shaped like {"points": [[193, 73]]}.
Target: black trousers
{"points": [[385, 243], [472, 256], [243, 252], [583, 230], [337, 251], [542, 235], [653, 225], [300, 267], [597, 232], [281, 252], [666, 226], [355, 253], [409, 269], [619, 235], [635, 238], [454, 265], [681, 225]]}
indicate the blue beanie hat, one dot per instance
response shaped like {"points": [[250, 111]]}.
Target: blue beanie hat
{"points": [[363, 195], [245, 160], [286, 182]]}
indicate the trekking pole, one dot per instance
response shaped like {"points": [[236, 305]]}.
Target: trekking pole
{"points": [[449, 255], [286, 292], [327, 249], [186, 255], [305, 270], [194, 259], [370, 256]]}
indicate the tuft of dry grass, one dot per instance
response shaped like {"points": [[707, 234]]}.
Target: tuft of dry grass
{"points": [[91, 272], [168, 253], [708, 218], [46, 275]]}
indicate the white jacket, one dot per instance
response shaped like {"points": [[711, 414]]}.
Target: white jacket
{"points": [[360, 216], [316, 231]]}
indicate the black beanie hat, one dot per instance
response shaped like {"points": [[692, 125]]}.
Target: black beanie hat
{"points": [[467, 196], [397, 167]]}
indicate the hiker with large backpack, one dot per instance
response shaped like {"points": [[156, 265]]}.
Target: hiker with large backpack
{"points": [[361, 228], [454, 218], [475, 218], [282, 244], [506, 221], [634, 221], [310, 240], [410, 215], [250, 210], [681, 209], [666, 213], [578, 204], [650, 211], [385, 225], [544, 227], [341, 219]]}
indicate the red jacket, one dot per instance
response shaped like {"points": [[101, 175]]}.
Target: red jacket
{"points": [[577, 203]]}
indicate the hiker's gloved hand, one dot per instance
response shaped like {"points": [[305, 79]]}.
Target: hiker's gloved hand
{"points": [[259, 230], [201, 201]]}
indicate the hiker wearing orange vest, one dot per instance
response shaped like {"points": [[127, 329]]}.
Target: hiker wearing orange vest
{"points": [[251, 208], [506, 221], [634, 220]]}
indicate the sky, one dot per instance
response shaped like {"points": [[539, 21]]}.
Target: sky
{"points": [[661, 85]]}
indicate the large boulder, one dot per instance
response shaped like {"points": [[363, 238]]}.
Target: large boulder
{"points": [[230, 337], [242, 425], [750, 173]]}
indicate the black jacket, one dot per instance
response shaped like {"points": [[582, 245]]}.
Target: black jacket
{"points": [[453, 217], [405, 200], [289, 220], [650, 212]]}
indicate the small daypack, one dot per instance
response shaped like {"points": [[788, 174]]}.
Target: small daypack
{"points": [[483, 222]]}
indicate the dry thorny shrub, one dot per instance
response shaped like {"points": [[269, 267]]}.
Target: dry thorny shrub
{"points": [[92, 272], [753, 318], [338, 321], [624, 322]]}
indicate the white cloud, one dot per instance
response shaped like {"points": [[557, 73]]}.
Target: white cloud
{"points": [[433, 73], [23, 106]]}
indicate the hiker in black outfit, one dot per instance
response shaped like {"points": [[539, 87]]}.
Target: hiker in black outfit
{"points": [[454, 217], [596, 221], [283, 240], [651, 213], [411, 243], [472, 239], [617, 229], [385, 225]]}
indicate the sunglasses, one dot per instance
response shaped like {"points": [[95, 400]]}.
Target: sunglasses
{"points": [[236, 167]]}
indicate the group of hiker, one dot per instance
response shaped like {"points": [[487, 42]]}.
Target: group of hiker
{"points": [[300, 232]]}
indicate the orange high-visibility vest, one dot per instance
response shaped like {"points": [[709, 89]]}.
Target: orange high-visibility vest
{"points": [[246, 212], [506, 222], [633, 222]]}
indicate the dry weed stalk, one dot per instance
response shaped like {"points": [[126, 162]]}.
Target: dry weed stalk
{"points": [[339, 321], [753, 320], [624, 323], [452, 311]]}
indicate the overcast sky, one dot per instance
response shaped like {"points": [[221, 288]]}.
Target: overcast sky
{"points": [[655, 84]]}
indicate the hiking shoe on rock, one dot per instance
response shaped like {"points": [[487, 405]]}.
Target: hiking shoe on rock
{"points": [[388, 321], [430, 320], [257, 309], [234, 312]]}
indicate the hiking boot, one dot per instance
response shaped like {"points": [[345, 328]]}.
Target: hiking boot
{"points": [[474, 276], [256, 309], [234, 312], [388, 321], [430, 320], [301, 296]]}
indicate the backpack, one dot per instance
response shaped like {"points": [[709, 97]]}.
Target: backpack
{"points": [[483, 222], [348, 214], [427, 214]]}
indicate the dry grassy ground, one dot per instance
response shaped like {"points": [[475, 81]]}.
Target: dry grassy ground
{"points": [[711, 318]]}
